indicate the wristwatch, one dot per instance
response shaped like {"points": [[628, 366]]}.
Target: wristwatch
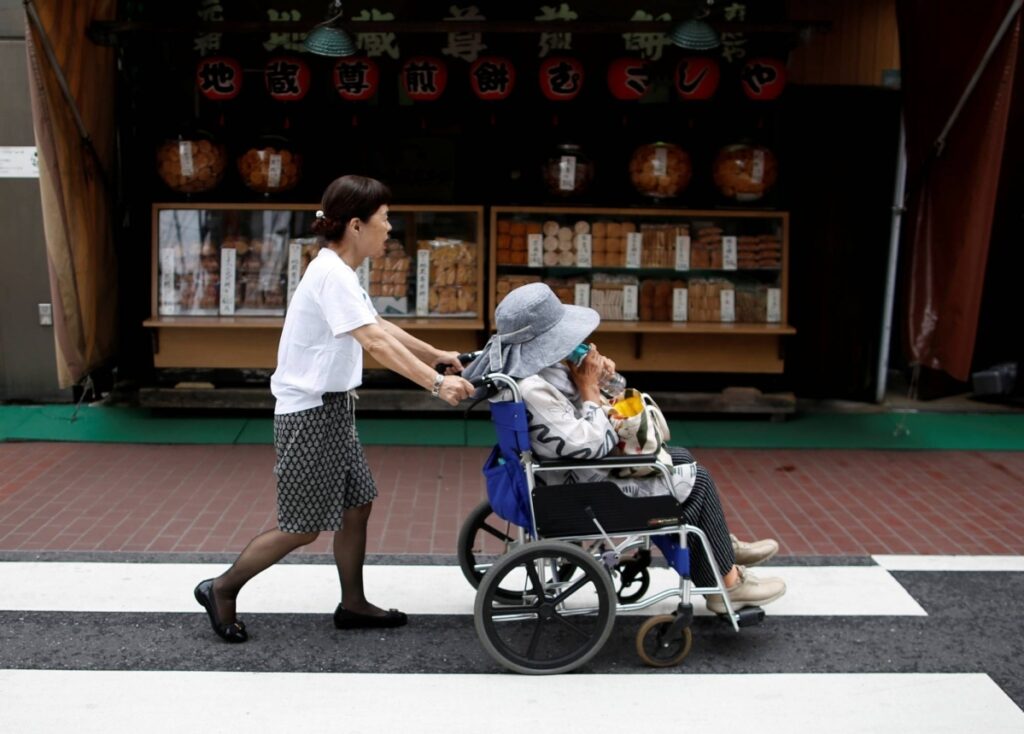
{"points": [[436, 389]]}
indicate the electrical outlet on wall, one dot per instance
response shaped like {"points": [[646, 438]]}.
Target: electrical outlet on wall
{"points": [[46, 314]]}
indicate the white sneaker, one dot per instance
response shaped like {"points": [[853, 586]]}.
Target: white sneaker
{"points": [[751, 591], [751, 554]]}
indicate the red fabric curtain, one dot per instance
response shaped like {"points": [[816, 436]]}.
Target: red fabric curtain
{"points": [[75, 201], [951, 198]]}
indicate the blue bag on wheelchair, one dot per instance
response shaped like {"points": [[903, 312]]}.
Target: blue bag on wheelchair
{"points": [[506, 489]]}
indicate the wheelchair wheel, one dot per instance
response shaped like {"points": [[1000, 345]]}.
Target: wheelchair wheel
{"points": [[558, 622], [656, 648], [483, 539]]}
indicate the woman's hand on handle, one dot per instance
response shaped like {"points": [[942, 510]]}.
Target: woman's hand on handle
{"points": [[455, 389], [450, 361]]}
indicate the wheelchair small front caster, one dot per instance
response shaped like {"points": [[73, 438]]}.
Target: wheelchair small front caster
{"points": [[658, 643]]}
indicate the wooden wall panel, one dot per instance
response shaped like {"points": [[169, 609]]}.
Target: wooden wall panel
{"points": [[862, 43]]}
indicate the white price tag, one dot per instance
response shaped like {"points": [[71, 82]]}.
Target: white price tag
{"points": [[634, 246], [535, 250], [567, 173], [629, 302], [757, 169], [729, 256], [274, 171], [227, 281], [683, 252], [185, 155], [168, 296], [422, 282], [583, 294], [363, 274], [727, 302], [679, 304], [659, 165], [294, 268], [774, 310], [584, 250]]}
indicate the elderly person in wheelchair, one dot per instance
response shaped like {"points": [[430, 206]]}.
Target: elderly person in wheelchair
{"points": [[536, 333]]}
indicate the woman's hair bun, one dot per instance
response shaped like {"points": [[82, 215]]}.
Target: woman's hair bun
{"points": [[324, 226]]}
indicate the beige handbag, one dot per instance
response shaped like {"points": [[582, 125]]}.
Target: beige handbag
{"points": [[641, 428]]}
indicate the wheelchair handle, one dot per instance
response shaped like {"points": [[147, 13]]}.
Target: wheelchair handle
{"points": [[464, 357]]}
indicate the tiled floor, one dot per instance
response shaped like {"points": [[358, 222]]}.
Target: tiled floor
{"points": [[103, 497]]}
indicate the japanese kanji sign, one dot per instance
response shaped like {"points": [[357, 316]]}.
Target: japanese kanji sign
{"points": [[492, 77], [356, 80], [697, 78], [287, 78], [628, 79], [763, 79], [424, 78], [219, 78], [561, 78]]}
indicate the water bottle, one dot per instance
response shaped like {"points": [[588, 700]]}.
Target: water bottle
{"points": [[612, 385]]}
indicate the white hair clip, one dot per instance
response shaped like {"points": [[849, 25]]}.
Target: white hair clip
{"points": [[320, 214]]}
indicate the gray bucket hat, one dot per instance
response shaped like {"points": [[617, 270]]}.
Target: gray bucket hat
{"points": [[534, 330]]}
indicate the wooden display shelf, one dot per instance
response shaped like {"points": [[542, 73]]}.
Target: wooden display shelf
{"points": [[669, 346]]}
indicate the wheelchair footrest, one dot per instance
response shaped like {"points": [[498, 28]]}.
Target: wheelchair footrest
{"points": [[749, 616]]}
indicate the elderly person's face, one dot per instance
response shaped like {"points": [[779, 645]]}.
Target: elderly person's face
{"points": [[594, 368]]}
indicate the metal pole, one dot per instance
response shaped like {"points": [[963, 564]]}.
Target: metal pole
{"points": [[940, 142], [890, 273]]}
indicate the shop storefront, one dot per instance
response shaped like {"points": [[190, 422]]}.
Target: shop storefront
{"points": [[685, 185]]}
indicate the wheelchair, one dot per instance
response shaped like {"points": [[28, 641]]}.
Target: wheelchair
{"points": [[553, 564]]}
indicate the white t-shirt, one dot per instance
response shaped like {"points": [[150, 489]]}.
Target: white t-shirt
{"points": [[317, 353]]}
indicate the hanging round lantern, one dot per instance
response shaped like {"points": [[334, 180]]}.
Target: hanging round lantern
{"points": [[355, 79], [629, 79], [561, 78], [763, 79], [219, 78], [492, 77], [697, 78], [424, 78], [287, 78]]}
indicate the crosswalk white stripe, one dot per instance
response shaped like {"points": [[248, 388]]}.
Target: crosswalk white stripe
{"points": [[156, 702], [299, 588], [950, 563]]}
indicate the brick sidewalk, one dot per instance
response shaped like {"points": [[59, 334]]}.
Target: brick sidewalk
{"points": [[116, 497]]}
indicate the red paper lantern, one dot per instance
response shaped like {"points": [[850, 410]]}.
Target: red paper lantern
{"points": [[629, 79], [219, 78], [697, 78], [287, 78], [356, 80], [763, 79], [561, 78], [492, 77], [424, 78]]}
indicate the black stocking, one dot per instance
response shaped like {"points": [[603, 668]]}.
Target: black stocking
{"points": [[262, 552], [349, 553]]}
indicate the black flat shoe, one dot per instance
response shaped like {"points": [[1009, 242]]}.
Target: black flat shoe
{"points": [[234, 632], [346, 620]]}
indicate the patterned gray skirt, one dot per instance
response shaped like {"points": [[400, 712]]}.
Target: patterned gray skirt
{"points": [[321, 469]]}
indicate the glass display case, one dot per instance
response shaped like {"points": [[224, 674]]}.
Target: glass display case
{"points": [[657, 271], [223, 275]]}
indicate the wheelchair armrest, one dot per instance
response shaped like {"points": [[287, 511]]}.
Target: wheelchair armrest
{"points": [[608, 462]]}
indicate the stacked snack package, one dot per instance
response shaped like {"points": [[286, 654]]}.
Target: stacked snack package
{"points": [[751, 303], [565, 288], [659, 244], [506, 283], [389, 279], [704, 298], [706, 250], [260, 273], [512, 241], [656, 299], [192, 272], [759, 252], [559, 244], [609, 243], [608, 297], [452, 276]]}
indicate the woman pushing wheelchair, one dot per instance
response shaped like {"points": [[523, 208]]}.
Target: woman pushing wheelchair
{"points": [[536, 333]]}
